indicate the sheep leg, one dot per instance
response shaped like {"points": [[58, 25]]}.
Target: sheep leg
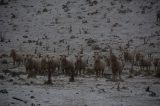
{"points": [[155, 67], [120, 78], [114, 77], [77, 72], [140, 68], [143, 68], [102, 73], [99, 73], [72, 75], [80, 72], [84, 71], [96, 73], [19, 63], [34, 73], [14, 62], [30, 74], [64, 71]]}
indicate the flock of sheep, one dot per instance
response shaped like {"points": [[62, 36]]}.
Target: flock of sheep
{"points": [[37, 64]]}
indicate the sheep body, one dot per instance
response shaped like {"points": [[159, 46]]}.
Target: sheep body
{"points": [[99, 65], [80, 65]]}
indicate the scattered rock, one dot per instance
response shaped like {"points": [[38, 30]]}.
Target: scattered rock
{"points": [[13, 15], [10, 80], [15, 83], [32, 97], [45, 10], [6, 71], [14, 74], [27, 83], [2, 77], [124, 88], [31, 82], [90, 41], [33, 104], [12, 103], [147, 89], [152, 94], [25, 36], [101, 91], [4, 91]]}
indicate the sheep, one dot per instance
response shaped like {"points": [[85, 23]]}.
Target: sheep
{"points": [[44, 65], [99, 65], [128, 56], [116, 66], [17, 58], [29, 65], [57, 62], [138, 57], [33, 67], [67, 65], [51, 66], [80, 65], [108, 62], [145, 63]]}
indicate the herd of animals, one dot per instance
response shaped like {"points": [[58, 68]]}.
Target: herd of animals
{"points": [[41, 65], [36, 64]]}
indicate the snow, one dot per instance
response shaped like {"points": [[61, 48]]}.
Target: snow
{"points": [[84, 91]]}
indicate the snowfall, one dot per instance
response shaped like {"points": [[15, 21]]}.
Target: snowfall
{"points": [[51, 26]]}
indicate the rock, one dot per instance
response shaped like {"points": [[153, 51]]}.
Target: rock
{"points": [[10, 80], [152, 94], [2, 77], [32, 97], [31, 82], [12, 103], [15, 83], [124, 87], [147, 89], [14, 74], [27, 83], [6, 71], [4, 91], [101, 91]]}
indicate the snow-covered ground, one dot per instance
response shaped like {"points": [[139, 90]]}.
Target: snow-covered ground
{"points": [[49, 26], [85, 91], [59, 23]]}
